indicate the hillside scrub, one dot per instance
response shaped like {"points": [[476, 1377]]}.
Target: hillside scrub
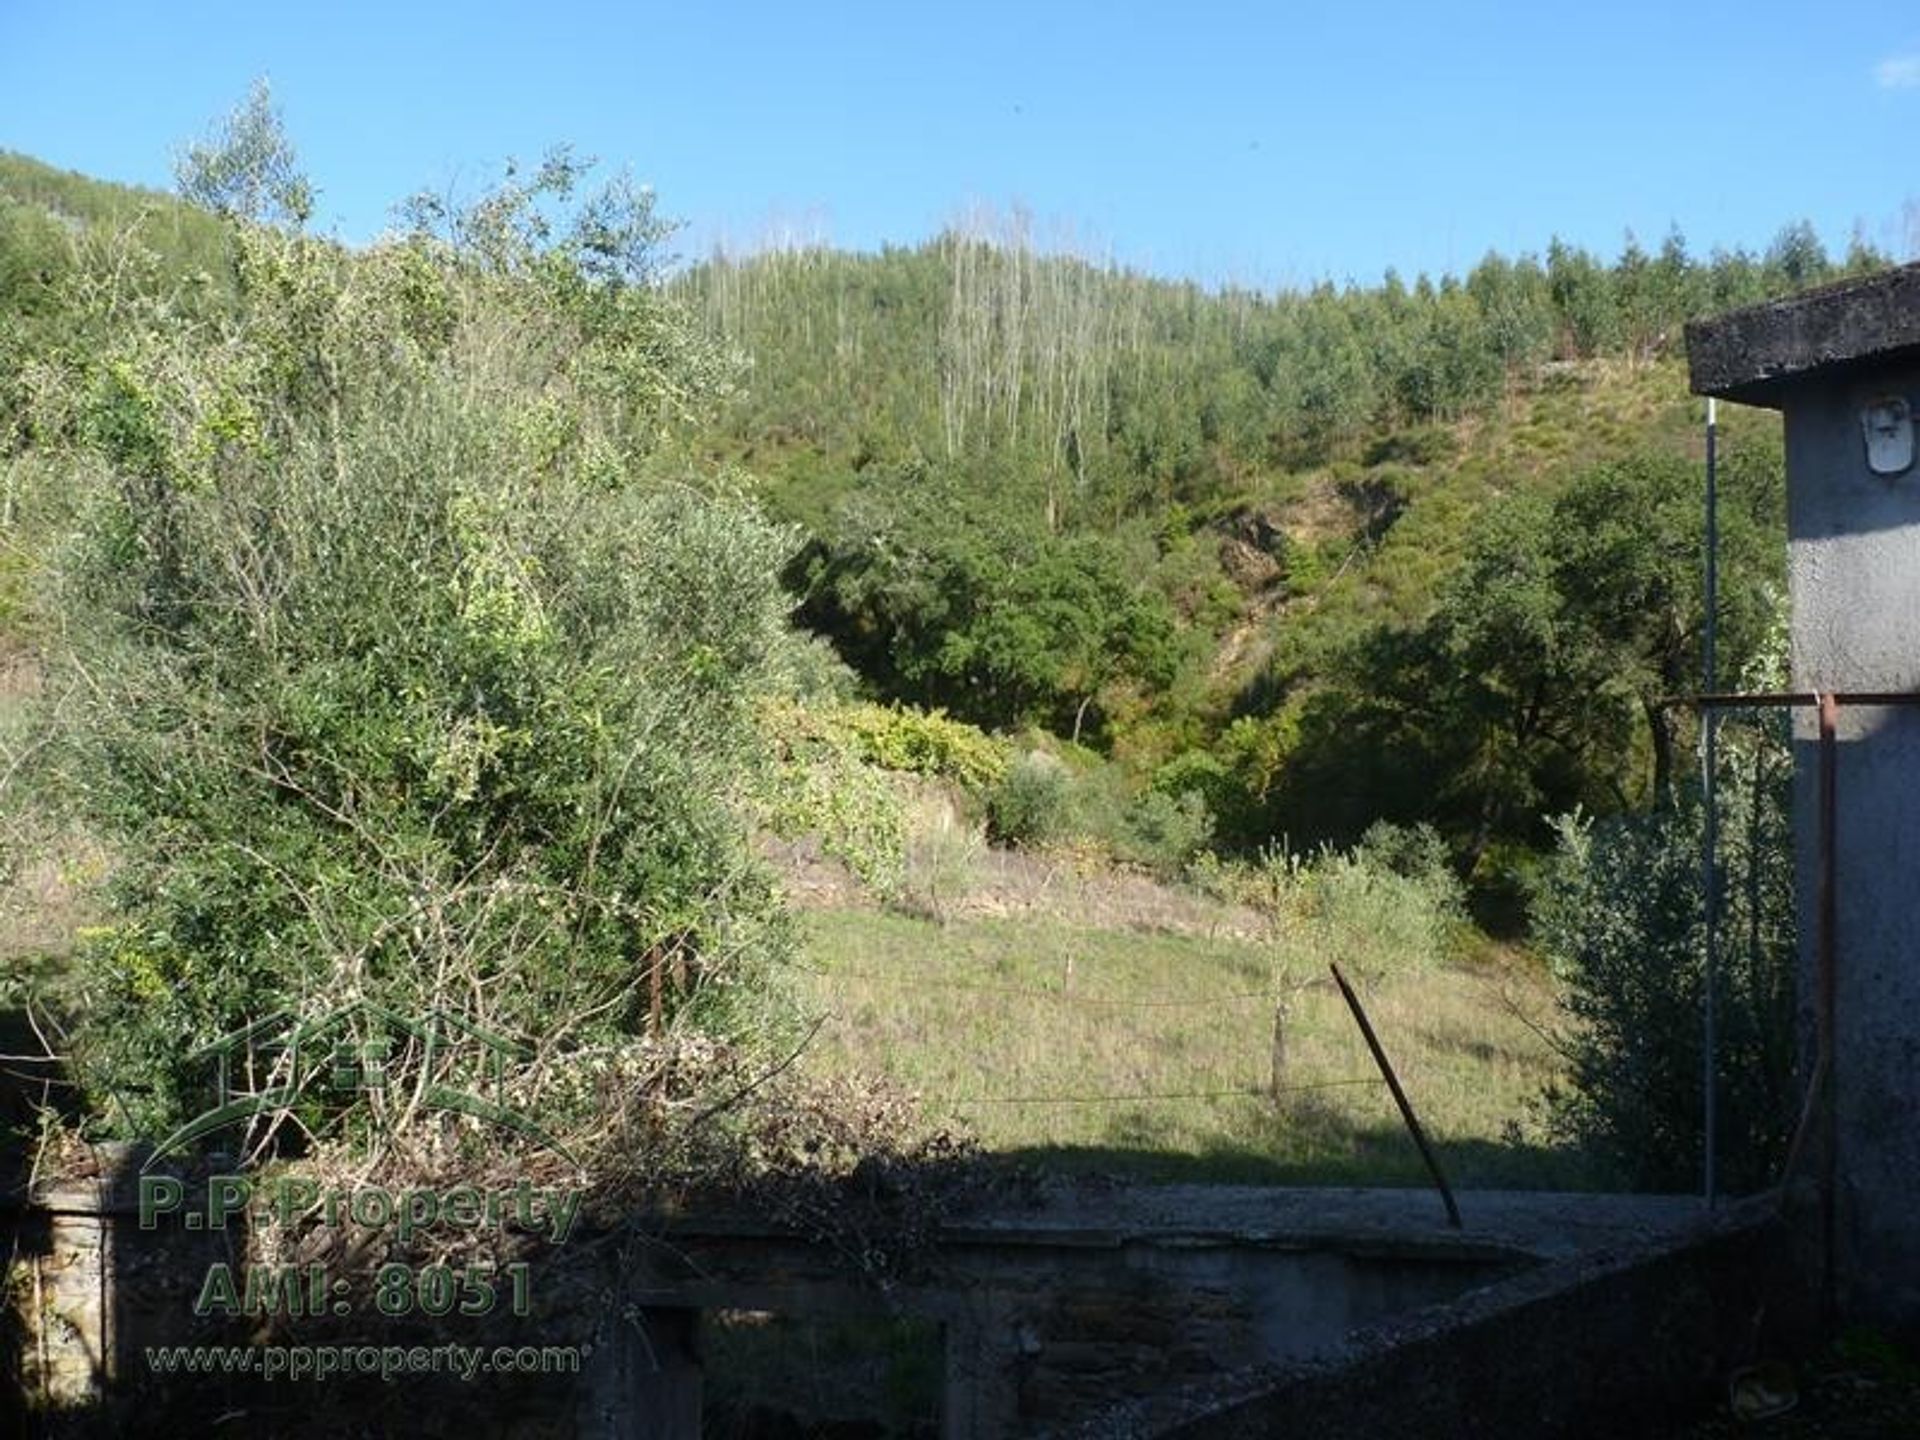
{"points": [[1536, 681], [1284, 565], [1330, 541], [1386, 907], [1244, 533], [396, 678], [404, 633]]}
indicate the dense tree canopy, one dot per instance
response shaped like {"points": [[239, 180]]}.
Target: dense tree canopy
{"points": [[1539, 681]]}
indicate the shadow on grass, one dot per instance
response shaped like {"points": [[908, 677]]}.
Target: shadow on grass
{"points": [[1315, 1144]]}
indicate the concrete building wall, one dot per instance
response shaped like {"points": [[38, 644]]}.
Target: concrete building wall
{"points": [[1855, 577]]}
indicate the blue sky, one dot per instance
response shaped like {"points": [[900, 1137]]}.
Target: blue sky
{"points": [[1264, 144]]}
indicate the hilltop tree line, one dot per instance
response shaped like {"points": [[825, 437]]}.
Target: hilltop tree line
{"points": [[1092, 393]]}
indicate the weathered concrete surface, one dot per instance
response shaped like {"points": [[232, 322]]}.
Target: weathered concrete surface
{"points": [[1854, 563], [86, 1293], [646, 1384], [1757, 355], [1049, 1311], [1536, 1224], [1855, 576], [1601, 1344], [1056, 1310]]}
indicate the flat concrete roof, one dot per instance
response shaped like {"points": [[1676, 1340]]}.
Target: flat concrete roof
{"points": [[1754, 355], [1089, 1213]]}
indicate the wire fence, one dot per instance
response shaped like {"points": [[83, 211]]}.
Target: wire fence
{"points": [[1267, 1091], [1254, 1092], [1066, 994]]}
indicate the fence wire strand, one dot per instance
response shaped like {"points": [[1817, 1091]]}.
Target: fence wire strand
{"points": [[1235, 997], [1254, 1092]]}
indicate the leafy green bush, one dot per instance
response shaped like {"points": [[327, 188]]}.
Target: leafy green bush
{"points": [[1030, 806], [1416, 445], [1390, 905], [1413, 852], [821, 783], [923, 742], [384, 674], [831, 779], [812, 673], [1165, 832], [1620, 916], [1215, 779], [943, 856]]}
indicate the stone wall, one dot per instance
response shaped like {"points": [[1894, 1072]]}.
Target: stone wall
{"points": [[1042, 1319], [1600, 1346], [86, 1293]]}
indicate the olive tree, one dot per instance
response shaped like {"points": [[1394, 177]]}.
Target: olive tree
{"points": [[246, 167], [1621, 916], [392, 666]]}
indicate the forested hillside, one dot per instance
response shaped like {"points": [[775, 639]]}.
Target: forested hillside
{"points": [[1420, 551], [1417, 552]]}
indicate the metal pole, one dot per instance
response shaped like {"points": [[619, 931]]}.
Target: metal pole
{"points": [[1710, 833], [1399, 1097], [1827, 984]]}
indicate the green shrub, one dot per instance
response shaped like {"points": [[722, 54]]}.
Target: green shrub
{"points": [[1045, 800], [1413, 852], [1216, 780], [1417, 445], [942, 860], [1229, 879], [821, 784], [1165, 832], [924, 742], [832, 776], [1030, 806], [1389, 906], [1620, 916], [384, 673], [811, 672]]}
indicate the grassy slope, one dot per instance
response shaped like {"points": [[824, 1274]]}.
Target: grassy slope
{"points": [[186, 239], [981, 1011]]}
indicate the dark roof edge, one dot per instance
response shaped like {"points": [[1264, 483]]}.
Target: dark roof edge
{"points": [[1751, 355]]}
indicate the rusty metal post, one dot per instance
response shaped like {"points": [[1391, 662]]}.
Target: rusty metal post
{"points": [[1826, 962], [1399, 1096]]}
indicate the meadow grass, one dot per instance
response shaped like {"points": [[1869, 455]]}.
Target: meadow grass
{"points": [[1044, 1040]]}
